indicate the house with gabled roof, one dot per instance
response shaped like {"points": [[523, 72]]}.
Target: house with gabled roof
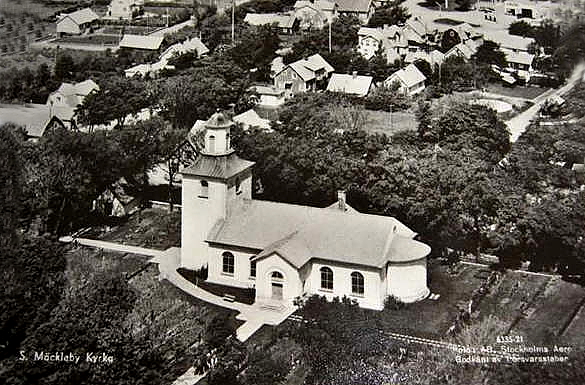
{"points": [[285, 23], [141, 42], [77, 23], [315, 14], [64, 101], [285, 251], [303, 75], [351, 84], [461, 50], [361, 9], [410, 80]]}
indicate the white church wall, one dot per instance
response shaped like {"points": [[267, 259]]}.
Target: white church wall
{"points": [[241, 276], [199, 214], [292, 285], [373, 289], [408, 281]]}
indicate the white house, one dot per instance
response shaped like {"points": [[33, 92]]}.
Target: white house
{"points": [[140, 42], [77, 22], [124, 9], [315, 14], [411, 81], [269, 96], [303, 75], [351, 84], [285, 23], [361, 9], [251, 119], [64, 101], [285, 251]]}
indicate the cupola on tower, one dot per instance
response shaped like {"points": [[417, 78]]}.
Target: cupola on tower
{"points": [[212, 186]]}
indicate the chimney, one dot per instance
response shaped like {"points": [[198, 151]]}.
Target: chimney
{"points": [[354, 74], [341, 200]]}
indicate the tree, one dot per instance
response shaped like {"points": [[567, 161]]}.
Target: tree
{"points": [[387, 98], [449, 40], [11, 182], [464, 5], [521, 28], [64, 67], [255, 48], [391, 14], [490, 53], [263, 369]]}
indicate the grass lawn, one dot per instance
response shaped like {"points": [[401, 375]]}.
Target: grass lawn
{"points": [[551, 312], [151, 228], [517, 92], [389, 123], [432, 319]]}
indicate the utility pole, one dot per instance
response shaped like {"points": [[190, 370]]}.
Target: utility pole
{"points": [[233, 22], [330, 36]]}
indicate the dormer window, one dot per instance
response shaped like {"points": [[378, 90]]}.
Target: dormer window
{"points": [[204, 189]]}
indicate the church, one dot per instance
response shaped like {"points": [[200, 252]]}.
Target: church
{"points": [[285, 251]]}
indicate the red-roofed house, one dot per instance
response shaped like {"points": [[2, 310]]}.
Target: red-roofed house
{"points": [[286, 251]]}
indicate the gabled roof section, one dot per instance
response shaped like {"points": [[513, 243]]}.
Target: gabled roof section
{"points": [[300, 233], [217, 167], [251, 119], [280, 19], [82, 16], [318, 5], [141, 42], [409, 76], [306, 68], [361, 6], [350, 84]]}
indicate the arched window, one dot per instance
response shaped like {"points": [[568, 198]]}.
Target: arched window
{"points": [[277, 276], [212, 144], [238, 186], [204, 189], [326, 278], [357, 283], [228, 263], [253, 269]]}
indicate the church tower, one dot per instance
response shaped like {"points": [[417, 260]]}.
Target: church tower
{"points": [[211, 187]]}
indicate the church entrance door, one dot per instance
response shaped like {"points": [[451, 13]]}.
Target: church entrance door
{"points": [[277, 291]]}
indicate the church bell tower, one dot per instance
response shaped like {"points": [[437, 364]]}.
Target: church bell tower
{"points": [[211, 188]]}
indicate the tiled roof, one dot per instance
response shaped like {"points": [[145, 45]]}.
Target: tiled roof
{"points": [[323, 5], [306, 68], [218, 167], [350, 84], [519, 57], [507, 41], [353, 5], [299, 233], [82, 16], [282, 20], [141, 42], [251, 119], [409, 76]]}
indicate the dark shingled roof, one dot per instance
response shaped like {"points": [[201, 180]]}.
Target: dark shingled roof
{"points": [[221, 167]]}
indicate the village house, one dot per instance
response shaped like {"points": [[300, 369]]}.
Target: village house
{"points": [[285, 23], [124, 9], [410, 80], [303, 75], [360, 9], [251, 119], [284, 251], [140, 42], [64, 101], [315, 14], [434, 58], [351, 84], [461, 50], [268, 96], [35, 119], [77, 23]]}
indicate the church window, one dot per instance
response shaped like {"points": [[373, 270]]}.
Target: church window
{"points": [[357, 283], [277, 276], [326, 278], [228, 263], [253, 269], [212, 144], [204, 189]]}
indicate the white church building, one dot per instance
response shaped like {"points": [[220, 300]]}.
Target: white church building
{"points": [[285, 251]]}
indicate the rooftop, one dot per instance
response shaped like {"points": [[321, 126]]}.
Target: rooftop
{"points": [[324, 5], [306, 68], [141, 42], [282, 20], [409, 76], [353, 5], [300, 233], [82, 16], [350, 84]]}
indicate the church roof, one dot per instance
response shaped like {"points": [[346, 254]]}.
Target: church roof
{"points": [[219, 167], [300, 233]]}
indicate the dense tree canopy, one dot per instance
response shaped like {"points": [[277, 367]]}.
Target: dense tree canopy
{"points": [[390, 14]]}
